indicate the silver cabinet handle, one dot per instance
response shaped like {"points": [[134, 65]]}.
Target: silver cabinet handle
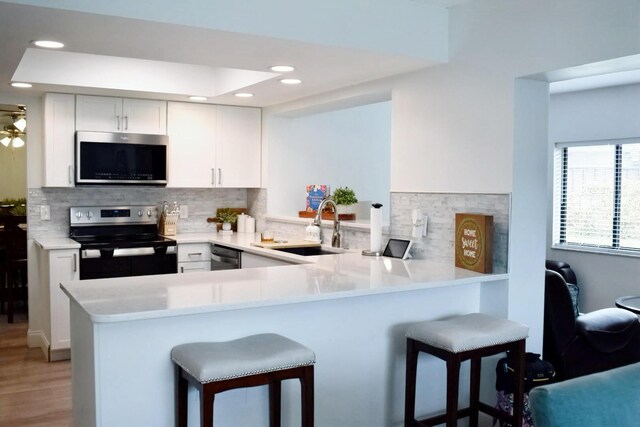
{"points": [[126, 122], [219, 176], [75, 262], [213, 176], [70, 174], [117, 122], [196, 254], [181, 269]]}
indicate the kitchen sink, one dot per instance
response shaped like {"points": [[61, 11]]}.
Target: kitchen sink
{"points": [[311, 251]]}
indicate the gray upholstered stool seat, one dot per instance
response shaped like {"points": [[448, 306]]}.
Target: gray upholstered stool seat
{"points": [[264, 359], [256, 354], [468, 332], [454, 340]]}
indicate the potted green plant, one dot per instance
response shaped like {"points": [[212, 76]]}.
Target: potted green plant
{"points": [[346, 200], [227, 216]]}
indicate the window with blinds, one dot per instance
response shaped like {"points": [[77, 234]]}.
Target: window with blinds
{"points": [[597, 194]]}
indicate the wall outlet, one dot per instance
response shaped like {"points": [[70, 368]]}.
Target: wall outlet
{"points": [[184, 211], [45, 212]]}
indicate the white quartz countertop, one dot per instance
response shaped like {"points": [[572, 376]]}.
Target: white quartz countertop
{"points": [[53, 243], [344, 275]]}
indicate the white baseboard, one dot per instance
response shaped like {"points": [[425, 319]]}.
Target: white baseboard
{"points": [[37, 339]]}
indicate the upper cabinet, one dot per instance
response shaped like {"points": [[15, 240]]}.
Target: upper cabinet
{"points": [[214, 146], [238, 142], [106, 114], [59, 129]]}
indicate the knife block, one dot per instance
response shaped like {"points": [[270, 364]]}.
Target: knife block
{"points": [[168, 224]]}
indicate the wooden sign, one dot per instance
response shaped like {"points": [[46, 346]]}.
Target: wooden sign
{"points": [[474, 242]]}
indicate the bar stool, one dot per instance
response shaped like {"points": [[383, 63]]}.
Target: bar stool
{"points": [[469, 337], [265, 359]]}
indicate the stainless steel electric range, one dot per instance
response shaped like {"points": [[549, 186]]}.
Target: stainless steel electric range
{"points": [[120, 241]]}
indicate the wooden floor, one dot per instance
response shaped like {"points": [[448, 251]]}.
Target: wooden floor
{"points": [[33, 392]]}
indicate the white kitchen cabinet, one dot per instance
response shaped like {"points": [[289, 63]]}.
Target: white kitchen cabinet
{"points": [[213, 146], [108, 114], [238, 146], [250, 260], [59, 129], [194, 257], [57, 266], [191, 151]]}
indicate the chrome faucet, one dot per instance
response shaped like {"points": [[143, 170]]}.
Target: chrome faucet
{"points": [[335, 238]]}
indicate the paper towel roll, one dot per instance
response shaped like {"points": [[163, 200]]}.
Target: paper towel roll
{"points": [[376, 230], [242, 222], [250, 225]]}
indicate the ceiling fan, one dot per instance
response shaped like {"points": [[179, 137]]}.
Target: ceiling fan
{"points": [[14, 124]]}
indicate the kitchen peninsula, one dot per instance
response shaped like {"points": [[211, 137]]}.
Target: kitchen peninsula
{"points": [[350, 309]]}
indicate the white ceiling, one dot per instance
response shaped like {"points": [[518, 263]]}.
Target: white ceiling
{"points": [[322, 68]]}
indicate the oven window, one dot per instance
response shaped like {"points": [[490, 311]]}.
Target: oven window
{"points": [[122, 162]]}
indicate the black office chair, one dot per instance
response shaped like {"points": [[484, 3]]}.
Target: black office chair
{"points": [[587, 343]]}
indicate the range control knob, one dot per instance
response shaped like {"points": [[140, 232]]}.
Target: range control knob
{"points": [[78, 214], [139, 213], [89, 214], [149, 213]]}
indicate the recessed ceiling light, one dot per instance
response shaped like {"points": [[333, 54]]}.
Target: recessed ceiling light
{"points": [[21, 85], [198, 98], [291, 81], [244, 95], [49, 44], [282, 68]]}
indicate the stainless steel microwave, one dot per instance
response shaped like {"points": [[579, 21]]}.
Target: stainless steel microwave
{"points": [[120, 158]]}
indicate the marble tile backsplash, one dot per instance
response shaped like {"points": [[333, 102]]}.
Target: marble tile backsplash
{"points": [[202, 204], [437, 245], [441, 209]]}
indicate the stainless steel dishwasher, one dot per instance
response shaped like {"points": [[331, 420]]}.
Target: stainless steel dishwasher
{"points": [[224, 258]]}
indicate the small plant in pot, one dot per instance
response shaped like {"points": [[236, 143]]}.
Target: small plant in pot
{"points": [[227, 216], [346, 200]]}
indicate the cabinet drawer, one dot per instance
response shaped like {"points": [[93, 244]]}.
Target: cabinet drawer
{"points": [[194, 252], [190, 267]]}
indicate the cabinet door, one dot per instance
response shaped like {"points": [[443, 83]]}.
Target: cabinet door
{"points": [[63, 267], [190, 155], [190, 267], [99, 113], [238, 147], [144, 116], [59, 128]]}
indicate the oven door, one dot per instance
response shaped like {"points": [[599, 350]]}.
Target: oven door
{"points": [[119, 158], [106, 263]]}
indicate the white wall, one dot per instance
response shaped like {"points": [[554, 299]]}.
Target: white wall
{"points": [[345, 148], [13, 172], [590, 115]]}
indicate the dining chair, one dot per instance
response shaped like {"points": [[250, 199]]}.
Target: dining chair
{"points": [[15, 264]]}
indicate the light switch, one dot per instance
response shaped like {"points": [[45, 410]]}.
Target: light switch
{"points": [[45, 212], [184, 211]]}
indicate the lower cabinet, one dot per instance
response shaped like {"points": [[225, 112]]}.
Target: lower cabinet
{"points": [[250, 260], [194, 257], [57, 266]]}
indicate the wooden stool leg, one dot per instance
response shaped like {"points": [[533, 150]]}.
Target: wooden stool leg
{"points": [[476, 365], [275, 403], [10, 280], [410, 383], [307, 393], [453, 385], [518, 392], [206, 407], [182, 386]]}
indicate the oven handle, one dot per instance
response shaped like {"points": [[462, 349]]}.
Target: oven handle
{"points": [[122, 252]]}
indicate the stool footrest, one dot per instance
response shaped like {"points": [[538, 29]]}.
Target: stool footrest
{"points": [[441, 419]]}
